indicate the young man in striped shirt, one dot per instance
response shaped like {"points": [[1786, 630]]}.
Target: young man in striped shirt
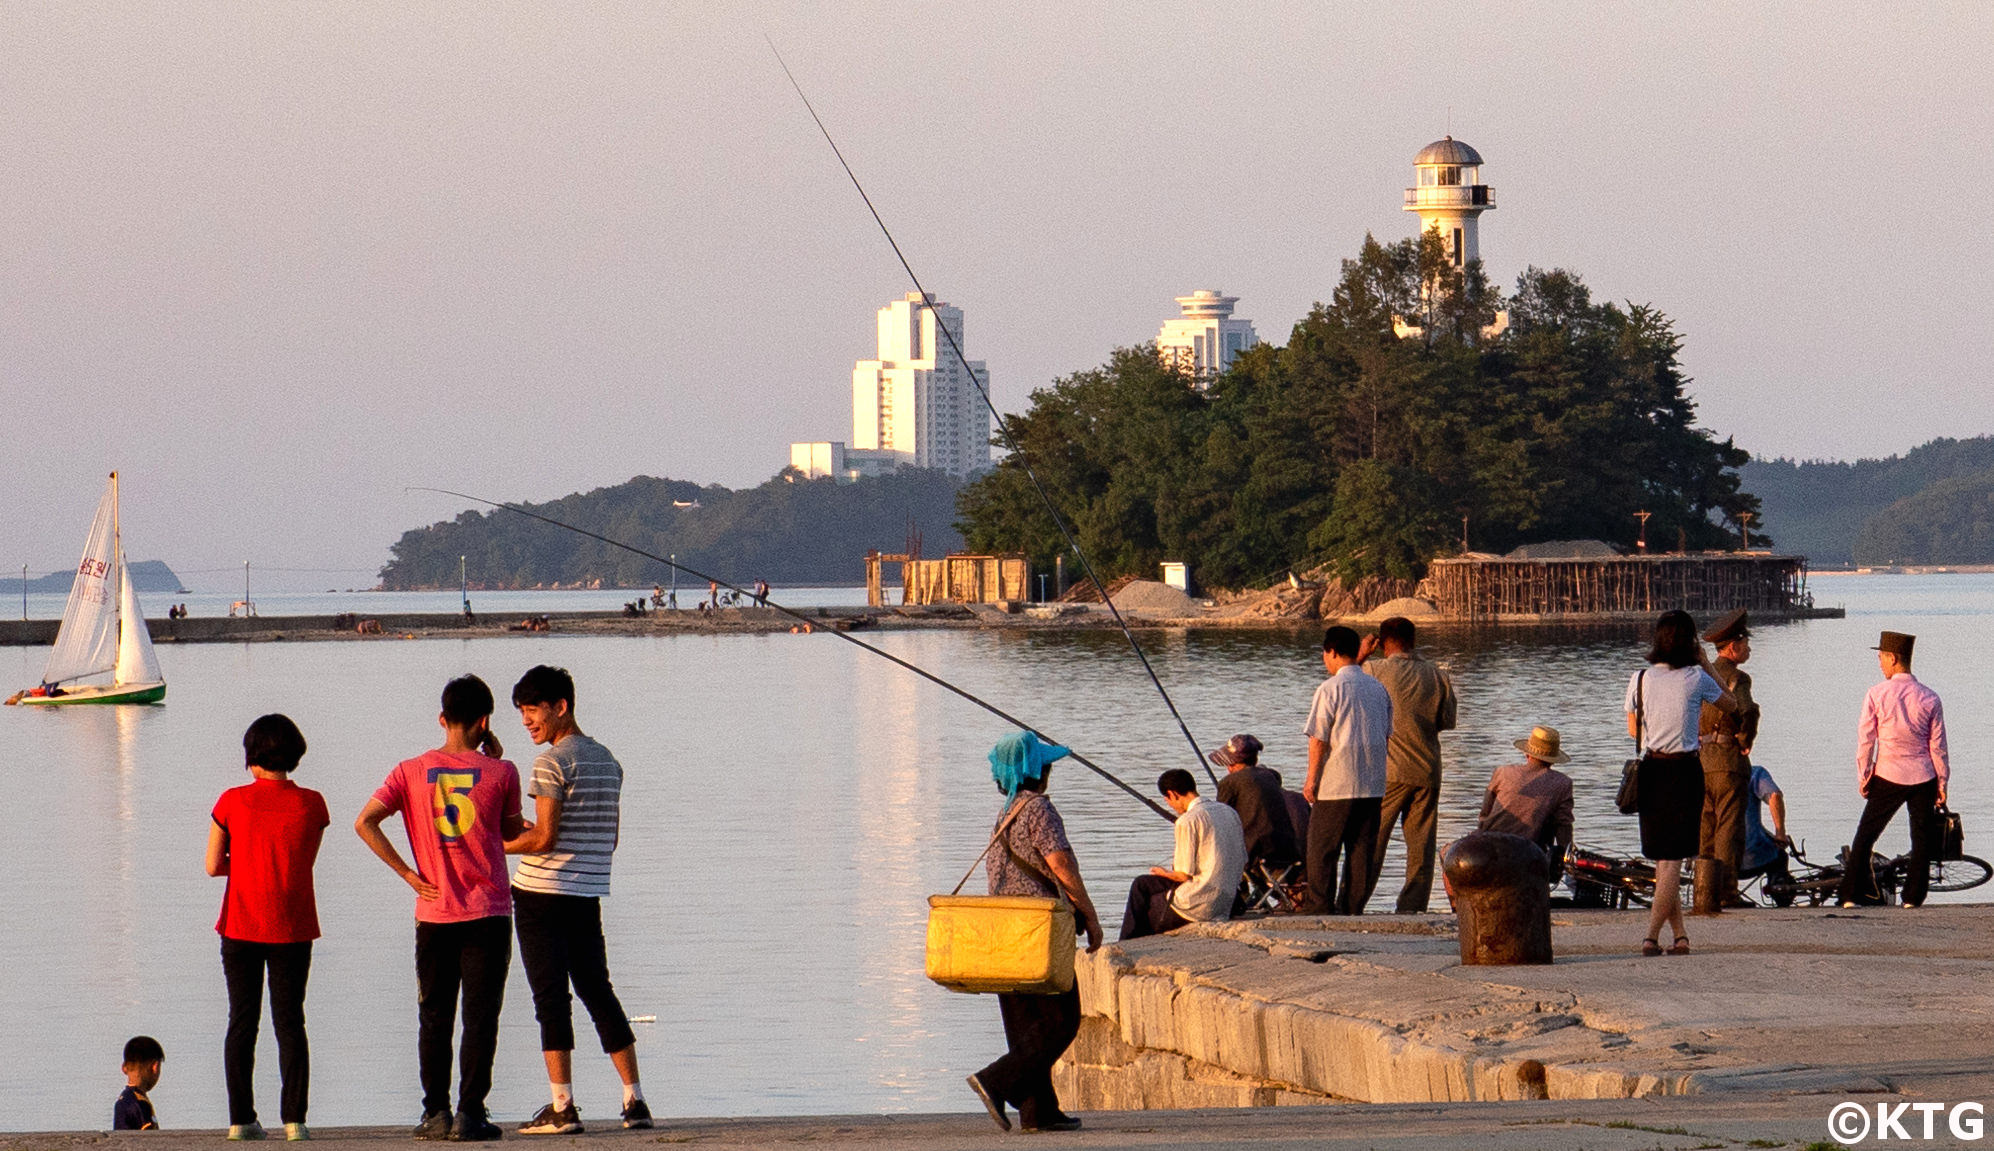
{"points": [[557, 892]]}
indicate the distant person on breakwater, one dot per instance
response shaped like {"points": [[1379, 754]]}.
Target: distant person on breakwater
{"points": [[563, 875], [1423, 706], [1664, 704], [1033, 858], [265, 837], [133, 1110], [1203, 877], [1901, 761], [1349, 728], [459, 803]]}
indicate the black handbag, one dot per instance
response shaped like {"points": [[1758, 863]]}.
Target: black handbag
{"points": [[1949, 841], [1629, 798]]}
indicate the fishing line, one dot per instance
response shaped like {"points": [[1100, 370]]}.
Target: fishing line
{"points": [[1003, 428], [815, 623]]}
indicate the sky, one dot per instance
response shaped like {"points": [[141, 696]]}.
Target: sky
{"points": [[279, 263]]}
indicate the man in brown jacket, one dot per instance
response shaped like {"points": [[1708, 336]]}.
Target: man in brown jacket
{"points": [[1727, 740], [1422, 707]]}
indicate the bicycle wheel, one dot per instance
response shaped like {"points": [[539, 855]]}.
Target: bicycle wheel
{"points": [[1959, 874]]}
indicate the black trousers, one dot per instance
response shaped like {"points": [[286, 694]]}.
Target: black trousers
{"points": [[1885, 797], [1038, 1029], [243, 966], [475, 956], [1349, 828], [560, 943], [1149, 911]]}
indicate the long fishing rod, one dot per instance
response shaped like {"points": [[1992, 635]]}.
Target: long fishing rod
{"points": [[931, 677], [1003, 427]]}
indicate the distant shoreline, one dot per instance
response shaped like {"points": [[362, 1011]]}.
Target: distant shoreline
{"points": [[760, 621]]}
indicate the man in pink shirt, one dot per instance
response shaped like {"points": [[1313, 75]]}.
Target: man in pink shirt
{"points": [[1900, 760], [460, 803]]}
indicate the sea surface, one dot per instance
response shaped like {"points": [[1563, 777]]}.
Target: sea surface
{"points": [[790, 802], [497, 604]]}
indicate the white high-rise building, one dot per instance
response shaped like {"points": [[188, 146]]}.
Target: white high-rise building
{"points": [[917, 404], [1204, 341], [1449, 196]]}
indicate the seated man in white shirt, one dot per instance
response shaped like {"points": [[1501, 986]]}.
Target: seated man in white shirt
{"points": [[1203, 876]]}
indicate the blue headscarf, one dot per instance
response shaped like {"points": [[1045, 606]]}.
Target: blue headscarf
{"points": [[1020, 756]]}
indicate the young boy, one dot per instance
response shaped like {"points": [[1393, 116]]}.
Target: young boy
{"points": [[265, 837], [459, 804], [563, 874], [133, 1110]]}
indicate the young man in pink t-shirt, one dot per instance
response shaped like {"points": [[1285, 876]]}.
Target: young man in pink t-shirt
{"points": [[460, 803]]}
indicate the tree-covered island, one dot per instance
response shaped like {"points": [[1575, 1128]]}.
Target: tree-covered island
{"points": [[1394, 412]]}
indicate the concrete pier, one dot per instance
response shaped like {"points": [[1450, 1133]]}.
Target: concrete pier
{"points": [[1380, 1010]]}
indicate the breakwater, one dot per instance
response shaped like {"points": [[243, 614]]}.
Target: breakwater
{"points": [[1379, 1010]]}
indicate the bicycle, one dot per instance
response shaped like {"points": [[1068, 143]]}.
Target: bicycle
{"points": [[1818, 883]]}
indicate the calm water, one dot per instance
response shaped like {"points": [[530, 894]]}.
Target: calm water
{"points": [[790, 802]]}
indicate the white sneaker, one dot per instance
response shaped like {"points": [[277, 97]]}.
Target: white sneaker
{"points": [[296, 1133], [246, 1132]]}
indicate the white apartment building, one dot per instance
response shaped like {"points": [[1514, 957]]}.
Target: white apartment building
{"points": [[918, 403], [1205, 339]]}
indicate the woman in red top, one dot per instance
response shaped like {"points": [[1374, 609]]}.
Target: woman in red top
{"points": [[265, 838]]}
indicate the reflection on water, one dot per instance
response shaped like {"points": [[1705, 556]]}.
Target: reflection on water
{"points": [[790, 803]]}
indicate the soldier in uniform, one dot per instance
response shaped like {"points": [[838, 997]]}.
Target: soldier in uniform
{"points": [[1727, 739]]}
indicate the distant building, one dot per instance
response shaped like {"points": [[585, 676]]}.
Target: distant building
{"points": [[1204, 341], [832, 458], [1448, 194], [918, 401]]}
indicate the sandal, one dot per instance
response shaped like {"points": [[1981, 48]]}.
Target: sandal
{"points": [[1651, 948], [1680, 946]]}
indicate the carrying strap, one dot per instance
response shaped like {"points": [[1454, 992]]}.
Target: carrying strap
{"points": [[1017, 807], [1640, 689]]}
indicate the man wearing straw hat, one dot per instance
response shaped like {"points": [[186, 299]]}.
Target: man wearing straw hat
{"points": [[1533, 799], [1900, 761]]}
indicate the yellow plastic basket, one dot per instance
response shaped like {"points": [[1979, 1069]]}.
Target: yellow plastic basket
{"points": [[1019, 944]]}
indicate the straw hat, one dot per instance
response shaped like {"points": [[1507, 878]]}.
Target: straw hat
{"points": [[1543, 744]]}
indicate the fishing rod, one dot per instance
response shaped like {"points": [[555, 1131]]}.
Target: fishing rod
{"points": [[931, 677], [1003, 427]]}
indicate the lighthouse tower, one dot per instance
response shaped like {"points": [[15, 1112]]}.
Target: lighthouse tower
{"points": [[1449, 195]]}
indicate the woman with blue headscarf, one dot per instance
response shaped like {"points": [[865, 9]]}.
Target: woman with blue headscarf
{"points": [[1033, 857]]}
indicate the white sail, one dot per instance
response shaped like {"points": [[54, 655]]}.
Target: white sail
{"points": [[136, 662], [87, 644]]}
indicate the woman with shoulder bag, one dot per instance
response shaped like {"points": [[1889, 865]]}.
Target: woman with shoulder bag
{"points": [[1664, 701], [1033, 857]]}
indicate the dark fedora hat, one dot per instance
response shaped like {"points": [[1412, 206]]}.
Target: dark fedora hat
{"points": [[1734, 625], [1896, 643]]}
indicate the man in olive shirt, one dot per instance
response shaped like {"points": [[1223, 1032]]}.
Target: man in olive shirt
{"points": [[1727, 740], [1422, 707]]}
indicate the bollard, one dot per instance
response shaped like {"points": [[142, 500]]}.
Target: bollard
{"points": [[1502, 898], [1712, 879]]}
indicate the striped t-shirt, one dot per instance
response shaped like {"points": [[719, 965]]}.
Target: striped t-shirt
{"points": [[588, 782]]}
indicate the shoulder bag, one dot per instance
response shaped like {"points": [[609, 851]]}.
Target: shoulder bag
{"points": [[1629, 798], [1015, 944]]}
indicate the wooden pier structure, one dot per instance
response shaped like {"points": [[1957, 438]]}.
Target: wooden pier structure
{"points": [[1493, 587], [951, 579]]}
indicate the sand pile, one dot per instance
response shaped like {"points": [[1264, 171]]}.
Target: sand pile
{"points": [[1405, 606], [1148, 597]]}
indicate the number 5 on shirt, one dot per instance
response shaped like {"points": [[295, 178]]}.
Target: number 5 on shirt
{"points": [[451, 801]]}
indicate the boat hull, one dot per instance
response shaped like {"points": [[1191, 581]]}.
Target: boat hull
{"points": [[105, 693]]}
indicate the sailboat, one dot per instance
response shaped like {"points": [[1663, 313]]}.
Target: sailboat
{"points": [[103, 631]]}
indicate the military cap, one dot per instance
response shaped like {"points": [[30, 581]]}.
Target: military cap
{"points": [[1729, 627], [1896, 643]]}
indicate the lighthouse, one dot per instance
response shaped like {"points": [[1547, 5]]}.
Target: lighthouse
{"points": [[1449, 195]]}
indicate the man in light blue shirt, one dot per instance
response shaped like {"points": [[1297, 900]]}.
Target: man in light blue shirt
{"points": [[1349, 728]]}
